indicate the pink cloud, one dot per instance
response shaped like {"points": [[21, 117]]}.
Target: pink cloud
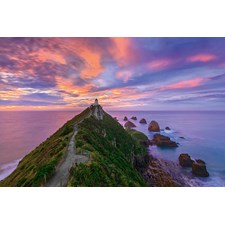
{"points": [[122, 51], [201, 58], [124, 75], [159, 64], [185, 84]]}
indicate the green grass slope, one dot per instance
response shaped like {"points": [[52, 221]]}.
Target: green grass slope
{"points": [[113, 155], [36, 167]]}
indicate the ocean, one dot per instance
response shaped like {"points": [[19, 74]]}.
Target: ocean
{"points": [[200, 134]]}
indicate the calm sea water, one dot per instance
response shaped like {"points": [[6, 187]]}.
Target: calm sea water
{"points": [[204, 134]]}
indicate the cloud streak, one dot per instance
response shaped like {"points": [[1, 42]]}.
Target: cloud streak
{"points": [[124, 73]]}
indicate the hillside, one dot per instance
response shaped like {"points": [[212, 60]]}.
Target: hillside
{"points": [[115, 157]]}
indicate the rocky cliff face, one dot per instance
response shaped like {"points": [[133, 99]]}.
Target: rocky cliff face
{"points": [[97, 111]]}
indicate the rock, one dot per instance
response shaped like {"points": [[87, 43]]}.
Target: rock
{"points": [[115, 118], [134, 118], [182, 137], [146, 143], [185, 160], [167, 128], [199, 169], [129, 124], [143, 121], [97, 111], [200, 161], [154, 126], [125, 119], [163, 141]]}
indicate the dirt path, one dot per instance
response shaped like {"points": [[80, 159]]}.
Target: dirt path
{"points": [[60, 178]]}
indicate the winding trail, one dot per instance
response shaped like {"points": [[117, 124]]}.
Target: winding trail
{"points": [[60, 178]]}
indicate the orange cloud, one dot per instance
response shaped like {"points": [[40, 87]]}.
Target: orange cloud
{"points": [[159, 64], [68, 86], [93, 65], [185, 84], [44, 55], [202, 58], [121, 51]]}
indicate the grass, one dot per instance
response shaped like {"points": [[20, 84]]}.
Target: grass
{"points": [[113, 152], [137, 135], [116, 157], [38, 166]]}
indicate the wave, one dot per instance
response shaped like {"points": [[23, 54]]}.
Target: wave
{"points": [[168, 131], [8, 168]]}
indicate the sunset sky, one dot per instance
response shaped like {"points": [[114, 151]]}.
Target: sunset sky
{"points": [[123, 73]]}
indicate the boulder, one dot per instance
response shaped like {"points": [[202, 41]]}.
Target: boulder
{"points": [[199, 169], [143, 121], [200, 161], [163, 141], [146, 143], [185, 160], [134, 118], [129, 124], [154, 126], [125, 118], [167, 128]]}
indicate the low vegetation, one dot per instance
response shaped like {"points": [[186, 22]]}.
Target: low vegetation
{"points": [[113, 153], [36, 167], [115, 156]]}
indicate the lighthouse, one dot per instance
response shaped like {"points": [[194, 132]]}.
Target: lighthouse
{"points": [[96, 102], [96, 110]]}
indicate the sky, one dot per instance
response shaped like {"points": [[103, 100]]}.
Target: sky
{"points": [[123, 73]]}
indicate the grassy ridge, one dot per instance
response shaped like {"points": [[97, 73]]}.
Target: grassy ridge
{"points": [[113, 153], [116, 157], [36, 167]]}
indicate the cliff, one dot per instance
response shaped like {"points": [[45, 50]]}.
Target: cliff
{"points": [[114, 156]]}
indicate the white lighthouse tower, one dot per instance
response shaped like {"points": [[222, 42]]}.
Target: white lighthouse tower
{"points": [[96, 102]]}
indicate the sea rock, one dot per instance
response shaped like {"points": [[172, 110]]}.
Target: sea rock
{"points": [[129, 124], [164, 173], [146, 143], [154, 126], [167, 128], [200, 161], [125, 119], [163, 141], [185, 160], [143, 121], [182, 137], [199, 168], [134, 118]]}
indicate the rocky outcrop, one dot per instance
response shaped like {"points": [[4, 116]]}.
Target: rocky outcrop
{"points": [[163, 141], [125, 119], [154, 126], [97, 111], [129, 124], [200, 161], [167, 128], [164, 173], [185, 160], [199, 168], [134, 118], [143, 121]]}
